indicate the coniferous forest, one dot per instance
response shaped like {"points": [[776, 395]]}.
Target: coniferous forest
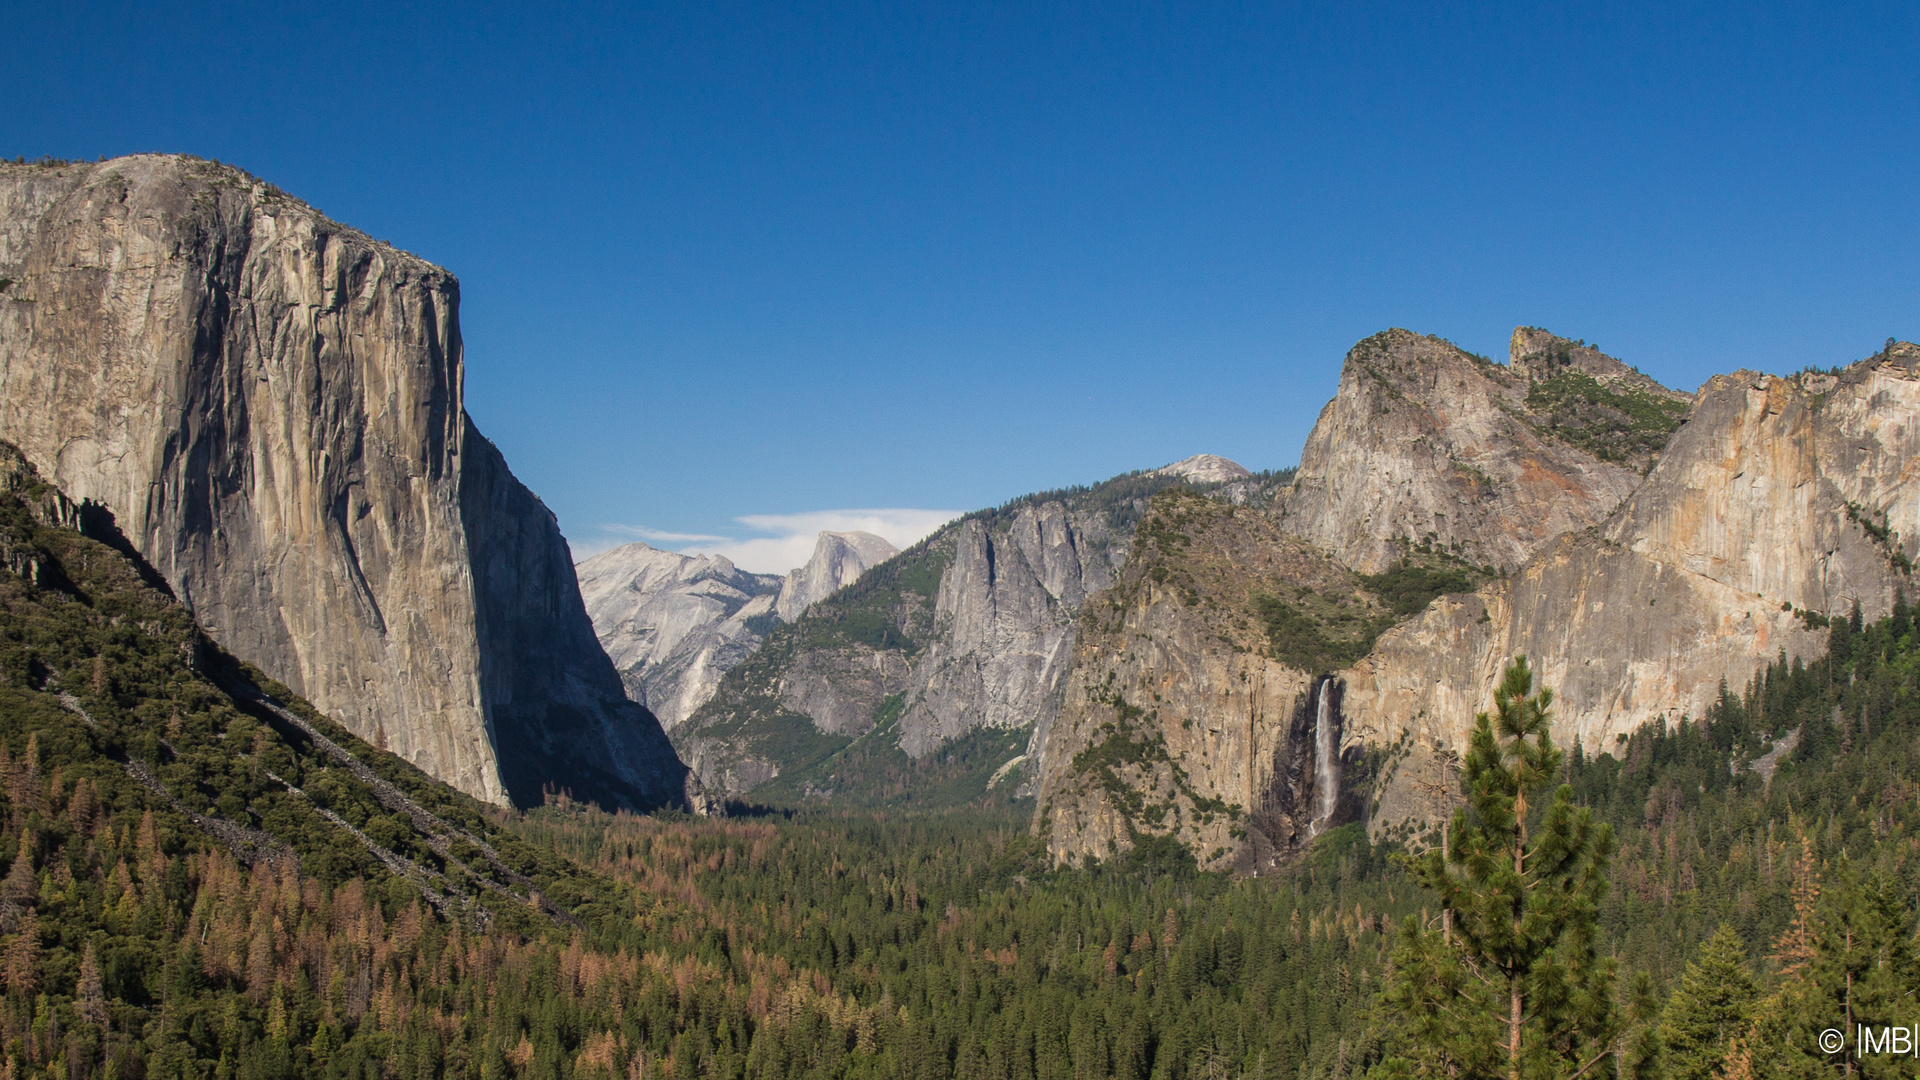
{"points": [[202, 877]]}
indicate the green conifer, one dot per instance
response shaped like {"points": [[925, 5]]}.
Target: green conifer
{"points": [[1713, 1006], [1513, 987]]}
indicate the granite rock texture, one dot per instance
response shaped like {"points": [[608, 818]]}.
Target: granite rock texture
{"points": [[839, 558], [1176, 719], [673, 624], [1779, 493], [1777, 501], [971, 629], [270, 405], [1426, 443]]}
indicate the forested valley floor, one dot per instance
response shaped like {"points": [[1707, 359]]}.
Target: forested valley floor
{"points": [[204, 878]]}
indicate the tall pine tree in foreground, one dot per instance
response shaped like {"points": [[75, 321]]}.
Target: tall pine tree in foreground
{"points": [[1510, 985]]}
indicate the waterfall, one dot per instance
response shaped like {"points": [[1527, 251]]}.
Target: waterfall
{"points": [[1326, 759]]}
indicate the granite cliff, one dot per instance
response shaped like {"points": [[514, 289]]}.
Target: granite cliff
{"points": [[1179, 717], [269, 406], [839, 558], [673, 624], [1781, 503], [1463, 513], [1426, 443]]}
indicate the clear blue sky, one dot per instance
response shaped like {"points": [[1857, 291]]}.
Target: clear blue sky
{"points": [[723, 260]]}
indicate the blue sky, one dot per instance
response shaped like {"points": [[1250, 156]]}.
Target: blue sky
{"points": [[729, 261]]}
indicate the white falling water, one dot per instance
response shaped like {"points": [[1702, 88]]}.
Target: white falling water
{"points": [[1326, 762]]}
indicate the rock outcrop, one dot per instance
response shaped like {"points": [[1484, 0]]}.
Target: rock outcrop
{"points": [[269, 404], [673, 624], [839, 558], [1205, 469], [1539, 356], [1777, 504], [1427, 444]]}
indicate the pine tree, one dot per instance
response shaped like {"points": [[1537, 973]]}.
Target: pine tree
{"points": [[1518, 991], [1711, 1010], [1859, 972]]}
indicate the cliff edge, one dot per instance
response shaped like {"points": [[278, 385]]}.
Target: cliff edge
{"points": [[270, 406]]}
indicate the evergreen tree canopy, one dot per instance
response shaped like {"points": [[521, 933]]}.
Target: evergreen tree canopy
{"points": [[1512, 985], [1713, 1006]]}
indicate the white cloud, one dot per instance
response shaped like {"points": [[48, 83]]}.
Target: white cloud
{"points": [[614, 535], [641, 532], [787, 540]]}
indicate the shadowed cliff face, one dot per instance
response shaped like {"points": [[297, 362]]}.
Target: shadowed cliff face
{"points": [[269, 404]]}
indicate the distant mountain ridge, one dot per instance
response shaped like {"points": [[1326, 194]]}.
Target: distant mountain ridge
{"points": [[961, 641], [673, 624]]}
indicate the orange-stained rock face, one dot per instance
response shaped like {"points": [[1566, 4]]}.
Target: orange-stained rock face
{"points": [[1635, 599], [1688, 584]]}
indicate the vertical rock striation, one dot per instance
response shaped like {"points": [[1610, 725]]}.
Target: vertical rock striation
{"points": [[1178, 720], [1777, 503], [269, 403], [1778, 495], [970, 632]]}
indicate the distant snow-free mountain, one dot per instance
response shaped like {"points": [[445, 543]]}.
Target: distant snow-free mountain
{"points": [[673, 624]]}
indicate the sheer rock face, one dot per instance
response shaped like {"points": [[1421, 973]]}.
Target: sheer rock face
{"points": [[1775, 494], [972, 628], [1424, 442], [1685, 585], [270, 405], [839, 558], [986, 645], [1622, 639], [1755, 491], [1005, 612], [673, 624]]}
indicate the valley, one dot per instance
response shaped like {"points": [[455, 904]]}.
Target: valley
{"points": [[322, 757]]}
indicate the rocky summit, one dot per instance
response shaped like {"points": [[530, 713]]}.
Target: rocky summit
{"points": [[267, 404], [839, 558]]}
